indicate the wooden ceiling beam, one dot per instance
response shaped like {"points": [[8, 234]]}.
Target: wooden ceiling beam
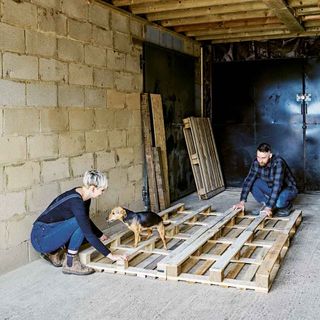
{"points": [[308, 11], [123, 3], [169, 5], [267, 37], [217, 18], [227, 24], [229, 31], [285, 14], [302, 3], [248, 35], [236, 8]]}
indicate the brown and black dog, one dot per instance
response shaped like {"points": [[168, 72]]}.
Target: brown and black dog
{"points": [[139, 221]]}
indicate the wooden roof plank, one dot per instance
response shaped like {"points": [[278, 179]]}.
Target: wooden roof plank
{"points": [[285, 14], [178, 4], [237, 8], [123, 3], [217, 18]]}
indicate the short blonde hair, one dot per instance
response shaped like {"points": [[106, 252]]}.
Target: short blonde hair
{"points": [[95, 178]]}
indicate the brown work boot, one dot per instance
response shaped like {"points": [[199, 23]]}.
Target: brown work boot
{"points": [[55, 258], [72, 265]]}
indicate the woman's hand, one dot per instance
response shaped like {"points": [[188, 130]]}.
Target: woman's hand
{"points": [[104, 237], [117, 257], [239, 205]]}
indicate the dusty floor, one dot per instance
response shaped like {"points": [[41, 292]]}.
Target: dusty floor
{"points": [[39, 291]]}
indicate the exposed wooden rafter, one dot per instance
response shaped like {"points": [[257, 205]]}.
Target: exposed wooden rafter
{"points": [[285, 14]]}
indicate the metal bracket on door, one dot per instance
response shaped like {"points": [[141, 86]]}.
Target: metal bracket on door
{"points": [[303, 98]]}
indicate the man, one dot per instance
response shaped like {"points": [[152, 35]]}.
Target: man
{"points": [[271, 183], [66, 223]]}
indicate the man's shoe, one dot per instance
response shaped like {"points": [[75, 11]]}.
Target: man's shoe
{"points": [[54, 258], [284, 212], [72, 265], [256, 212]]}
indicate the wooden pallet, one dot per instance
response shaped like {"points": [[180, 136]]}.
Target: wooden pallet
{"points": [[203, 156], [227, 249]]}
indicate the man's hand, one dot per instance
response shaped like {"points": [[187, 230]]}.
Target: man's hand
{"points": [[117, 257], [104, 237], [267, 211], [239, 205]]}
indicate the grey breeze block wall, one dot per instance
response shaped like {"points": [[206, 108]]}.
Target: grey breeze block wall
{"points": [[70, 84]]}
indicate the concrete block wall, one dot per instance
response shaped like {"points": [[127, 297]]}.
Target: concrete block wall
{"points": [[70, 84]]}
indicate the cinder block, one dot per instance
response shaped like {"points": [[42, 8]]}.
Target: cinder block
{"points": [[70, 50], [115, 60], [80, 30], [137, 83], [53, 120], [122, 42], [42, 95], [133, 64], [196, 50], [99, 15], [138, 187], [102, 37], [117, 138], [1, 179], [12, 94], [40, 196], [177, 44], [12, 203], [152, 34], [134, 137], [136, 29], [52, 21], [53, 170], [70, 96], [1, 121], [12, 38], [109, 199], [103, 78], [80, 74], [71, 183], [106, 160], [95, 97], [41, 44], [115, 99], [96, 140], [127, 194], [123, 81], [188, 47], [76, 8], [13, 149], [166, 40], [42, 147], [119, 22], [125, 157], [81, 119], [122, 119], [104, 119], [81, 164], [22, 176], [22, 13], [3, 236], [53, 70], [139, 154], [14, 257], [53, 4], [133, 101], [71, 144], [135, 120], [21, 121], [95, 56], [118, 178], [20, 66]]}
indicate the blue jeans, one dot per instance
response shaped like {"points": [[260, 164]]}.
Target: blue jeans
{"points": [[48, 237], [262, 192]]}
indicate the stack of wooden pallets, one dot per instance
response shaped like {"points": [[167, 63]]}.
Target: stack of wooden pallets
{"points": [[227, 249], [203, 156]]}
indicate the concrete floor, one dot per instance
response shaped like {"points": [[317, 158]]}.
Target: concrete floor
{"points": [[39, 291]]}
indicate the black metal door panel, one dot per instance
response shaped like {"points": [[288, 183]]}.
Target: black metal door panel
{"points": [[312, 125]]}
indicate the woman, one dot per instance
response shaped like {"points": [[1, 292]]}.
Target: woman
{"points": [[66, 222]]}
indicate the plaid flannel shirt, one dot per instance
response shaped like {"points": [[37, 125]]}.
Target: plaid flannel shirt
{"points": [[276, 174]]}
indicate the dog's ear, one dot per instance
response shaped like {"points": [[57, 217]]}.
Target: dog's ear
{"points": [[122, 211]]}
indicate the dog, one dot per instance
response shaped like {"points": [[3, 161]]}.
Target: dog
{"points": [[139, 221]]}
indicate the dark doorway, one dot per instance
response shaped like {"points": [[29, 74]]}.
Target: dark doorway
{"points": [[172, 75], [255, 102]]}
